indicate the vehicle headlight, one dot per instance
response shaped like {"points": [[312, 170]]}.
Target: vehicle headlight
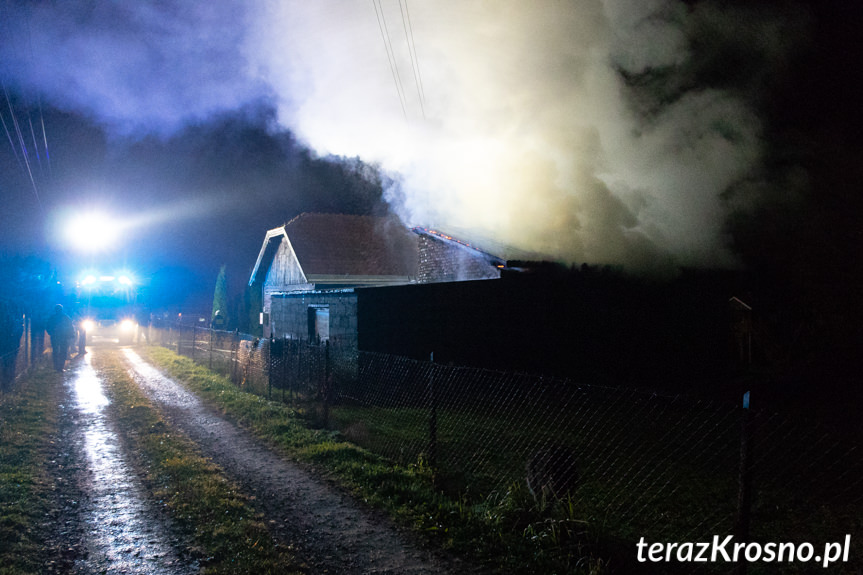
{"points": [[127, 325], [88, 325]]}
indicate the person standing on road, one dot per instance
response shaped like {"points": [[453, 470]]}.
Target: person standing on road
{"points": [[79, 323], [61, 329]]}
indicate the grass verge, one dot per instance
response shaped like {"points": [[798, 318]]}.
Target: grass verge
{"points": [[206, 506], [28, 420], [507, 530]]}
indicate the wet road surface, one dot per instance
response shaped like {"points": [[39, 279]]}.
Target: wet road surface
{"points": [[323, 527], [123, 531]]}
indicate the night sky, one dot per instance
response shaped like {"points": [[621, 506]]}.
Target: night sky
{"points": [[648, 135]]}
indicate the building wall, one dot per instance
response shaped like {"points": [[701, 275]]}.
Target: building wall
{"points": [[284, 274], [289, 315], [285, 270], [589, 326], [440, 261]]}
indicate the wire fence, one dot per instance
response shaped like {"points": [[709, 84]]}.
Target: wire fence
{"points": [[634, 462], [22, 346]]}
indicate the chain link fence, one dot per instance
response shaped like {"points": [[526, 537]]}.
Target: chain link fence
{"points": [[634, 463], [22, 345]]}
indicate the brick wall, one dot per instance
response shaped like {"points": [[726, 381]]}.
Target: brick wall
{"points": [[441, 261], [290, 312]]}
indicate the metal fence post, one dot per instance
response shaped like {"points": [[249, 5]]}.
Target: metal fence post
{"points": [[296, 383], [235, 353], [327, 384], [28, 341], [309, 368], [744, 493], [270, 366], [212, 336], [432, 415], [283, 366]]}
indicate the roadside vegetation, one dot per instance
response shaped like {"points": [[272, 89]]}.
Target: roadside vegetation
{"points": [[508, 530], [28, 421], [211, 511]]}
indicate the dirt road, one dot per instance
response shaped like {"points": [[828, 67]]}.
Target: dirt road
{"points": [[105, 523], [121, 532]]}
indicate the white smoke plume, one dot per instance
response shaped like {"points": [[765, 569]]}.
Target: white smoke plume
{"points": [[514, 120], [573, 128]]}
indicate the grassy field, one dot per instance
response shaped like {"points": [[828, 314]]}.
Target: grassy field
{"points": [[27, 427], [625, 472], [657, 467]]}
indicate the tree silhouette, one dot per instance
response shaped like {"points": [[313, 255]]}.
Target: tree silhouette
{"points": [[220, 297]]}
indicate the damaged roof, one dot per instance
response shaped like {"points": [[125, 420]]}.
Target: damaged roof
{"points": [[340, 245]]}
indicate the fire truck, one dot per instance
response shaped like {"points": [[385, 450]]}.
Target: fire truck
{"points": [[107, 307]]}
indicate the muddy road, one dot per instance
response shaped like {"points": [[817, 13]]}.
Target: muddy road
{"points": [[106, 523]]}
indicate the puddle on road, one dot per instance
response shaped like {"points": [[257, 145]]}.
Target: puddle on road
{"points": [[124, 534]]}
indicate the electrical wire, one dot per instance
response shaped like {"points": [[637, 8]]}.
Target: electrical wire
{"points": [[11, 143], [409, 38], [39, 104], [382, 25], [35, 144], [45, 138], [24, 154]]}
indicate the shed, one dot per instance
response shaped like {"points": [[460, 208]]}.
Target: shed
{"points": [[315, 252]]}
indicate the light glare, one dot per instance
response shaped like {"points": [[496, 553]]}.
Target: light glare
{"points": [[93, 232]]}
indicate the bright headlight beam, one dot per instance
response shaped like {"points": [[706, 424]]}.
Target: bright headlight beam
{"points": [[92, 231]]}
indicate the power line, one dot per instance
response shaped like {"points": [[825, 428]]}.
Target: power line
{"points": [[11, 143], [39, 103], [413, 53], [385, 36], [23, 159], [45, 139], [23, 145], [35, 144]]}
